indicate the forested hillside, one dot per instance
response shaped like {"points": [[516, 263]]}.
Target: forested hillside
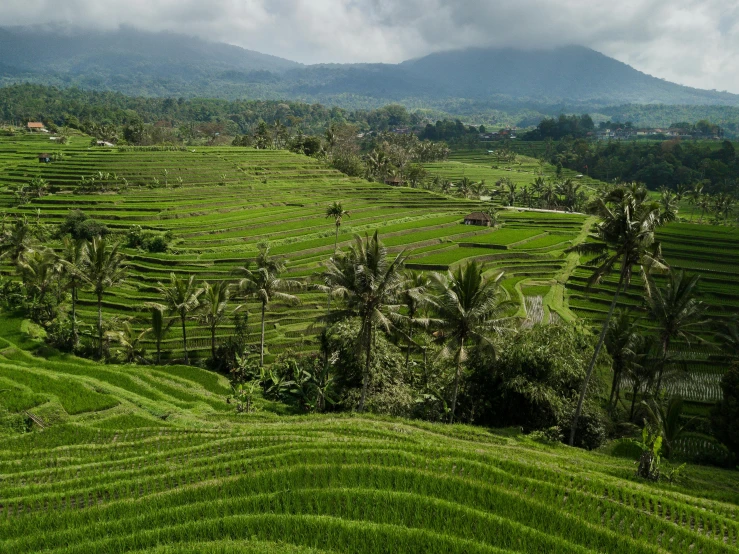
{"points": [[498, 85]]}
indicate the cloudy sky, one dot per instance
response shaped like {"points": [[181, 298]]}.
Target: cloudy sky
{"points": [[691, 42]]}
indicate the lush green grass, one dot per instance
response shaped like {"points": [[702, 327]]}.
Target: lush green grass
{"points": [[157, 477]]}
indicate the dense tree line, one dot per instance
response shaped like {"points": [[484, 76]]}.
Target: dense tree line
{"points": [[664, 164], [146, 120], [573, 126]]}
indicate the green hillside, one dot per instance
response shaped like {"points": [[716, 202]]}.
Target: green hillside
{"points": [[152, 459], [221, 202]]}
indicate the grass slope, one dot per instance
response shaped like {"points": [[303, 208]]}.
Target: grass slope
{"points": [[151, 472]]}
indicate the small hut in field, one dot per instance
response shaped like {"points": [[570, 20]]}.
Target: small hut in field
{"points": [[35, 126], [478, 218], [44, 158]]}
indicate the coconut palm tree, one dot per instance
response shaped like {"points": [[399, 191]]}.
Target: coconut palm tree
{"points": [[129, 342], [469, 308], [695, 193], [263, 282], [668, 419], [213, 308], [669, 203], [413, 297], [37, 269], [620, 342], [181, 298], [677, 312], [704, 203], [369, 283], [464, 187], [549, 195], [642, 367], [337, 212], [72, 260], [626, 240], [16, 239], [104, 267], [159, 327]]}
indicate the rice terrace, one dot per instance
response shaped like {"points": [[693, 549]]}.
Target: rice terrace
{"points": [[244, 309]]}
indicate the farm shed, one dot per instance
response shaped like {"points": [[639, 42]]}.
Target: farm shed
{"points": [[397, 181], [44, 158], [478, 218], [35, 126]]}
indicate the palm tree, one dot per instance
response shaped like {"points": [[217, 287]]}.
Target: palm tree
{"points": [[626, 239], [369, 282], [642, 367], [677, 312], [695, 193], [620, 342], [337, 212], [469, 308], [37, 269], [569, 190], [263, 282], [159, 327], [181, 298], [668, 419], [129, 342], [104, 266], [549, 195], [214, 305], [413, 297], [668, 203], [16, 239], [704, 203], [72, 260], [464, 187]]}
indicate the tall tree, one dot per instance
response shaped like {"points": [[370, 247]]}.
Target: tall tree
{"points": [[369, 282], [105, 268], [261, 280], [677, 312], [181, 298], [159, 327], [625, 239], [620, 342], [15, 239], [213, 308], [469, 308], [413, 297], [72, 260], [37, 269], [336, 212]]}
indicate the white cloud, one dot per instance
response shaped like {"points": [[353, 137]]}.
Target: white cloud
{"points": [[692, 42]]}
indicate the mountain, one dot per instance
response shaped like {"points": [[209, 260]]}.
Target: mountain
{"points": [[166, 64]]}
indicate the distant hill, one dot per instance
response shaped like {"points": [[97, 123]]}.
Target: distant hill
{"points": [[533, 82]]}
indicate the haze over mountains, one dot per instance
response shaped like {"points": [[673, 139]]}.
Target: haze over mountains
{"points": [[165, 64]]}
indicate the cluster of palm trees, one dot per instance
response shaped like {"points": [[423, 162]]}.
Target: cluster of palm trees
{"points": [[210, 304], [626, 245], [462, 309], [721, 205], [564, 194], [96, 265]]}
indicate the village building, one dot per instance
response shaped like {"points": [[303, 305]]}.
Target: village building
{"points": [[36, 127], [478, 218]]}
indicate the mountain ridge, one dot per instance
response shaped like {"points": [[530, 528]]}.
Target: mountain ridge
{"points": [[141, 63]]}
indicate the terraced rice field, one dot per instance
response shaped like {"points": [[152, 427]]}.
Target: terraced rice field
{"points": [[711, 251], [153, 462], [221, 202]]}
